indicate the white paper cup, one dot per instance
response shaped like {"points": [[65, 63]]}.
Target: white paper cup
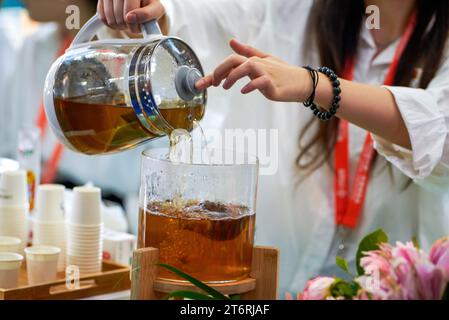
{"points": [[55, 238], [9, 269], [84, 244], [50, 203], [84, 262], [13, 188], [81, 242], [42, 263], [84, 254], [86, 206], [84, 232], [84, 237], [10, 244], [83, 227]]}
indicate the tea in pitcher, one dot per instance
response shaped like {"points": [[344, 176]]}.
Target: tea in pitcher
{"points": [[212, 242], [101, 128]]}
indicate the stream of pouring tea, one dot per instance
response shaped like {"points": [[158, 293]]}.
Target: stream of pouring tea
{"points": [[181, 145], [182, 151]]}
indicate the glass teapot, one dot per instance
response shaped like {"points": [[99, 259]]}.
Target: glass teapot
{"points": [[106, 96]]}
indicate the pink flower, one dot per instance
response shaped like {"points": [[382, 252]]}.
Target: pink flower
{"points": [[430, 281], [317, 289], [407, 253], [439, 255], [400, 272], [378, 259]]}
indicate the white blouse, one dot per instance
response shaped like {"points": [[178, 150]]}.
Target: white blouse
{"points": [[299, 219]]}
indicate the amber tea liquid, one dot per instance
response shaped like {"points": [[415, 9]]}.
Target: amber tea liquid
{"points": [[210, 241], [100, 128]]}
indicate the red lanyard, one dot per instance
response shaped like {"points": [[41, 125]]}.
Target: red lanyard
{"points": [[51, 166], [348, 207]]}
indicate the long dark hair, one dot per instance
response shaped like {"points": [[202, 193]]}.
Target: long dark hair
{"points": [[334, 26]]}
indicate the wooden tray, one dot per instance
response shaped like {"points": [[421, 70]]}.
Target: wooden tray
{"points": [[113, 278]]}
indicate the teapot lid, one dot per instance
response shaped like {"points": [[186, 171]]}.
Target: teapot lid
{"points": [[163, 76]]}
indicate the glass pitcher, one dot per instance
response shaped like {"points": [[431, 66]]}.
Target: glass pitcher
{"points": [[200, 215], [106, 96]]}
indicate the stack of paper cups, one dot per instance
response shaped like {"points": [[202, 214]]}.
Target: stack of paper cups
{"points": [[14, 205], [85, 231], [49, 223]]}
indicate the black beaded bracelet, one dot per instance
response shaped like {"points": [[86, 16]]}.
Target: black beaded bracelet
{"points": [[314, 74]]}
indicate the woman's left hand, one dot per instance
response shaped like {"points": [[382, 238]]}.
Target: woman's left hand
{"points": [[274, 78]]}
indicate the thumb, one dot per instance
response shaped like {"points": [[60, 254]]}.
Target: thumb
{"points": [[246, 50], [152, 11]]}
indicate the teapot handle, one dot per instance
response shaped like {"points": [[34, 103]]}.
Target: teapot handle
{"points": [[91, 27]]}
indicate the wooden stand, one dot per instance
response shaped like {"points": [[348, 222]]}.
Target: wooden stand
{"points": [[261, 285]]}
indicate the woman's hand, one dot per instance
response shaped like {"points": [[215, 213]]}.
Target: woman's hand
{"points": [[129, 14], [274, 78]]}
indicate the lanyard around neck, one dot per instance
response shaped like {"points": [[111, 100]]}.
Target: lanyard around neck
{"points": [[348, 206]]}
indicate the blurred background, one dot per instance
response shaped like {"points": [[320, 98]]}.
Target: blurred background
{"points": [[32, 36]]}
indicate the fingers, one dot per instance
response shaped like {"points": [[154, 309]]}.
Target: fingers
{"points": [[118, 13], [205, 82], [249, 68], [131, 20], [262, 84], [100, 10], [222, 71], [152, 11], [246, 51], [109, 13]]}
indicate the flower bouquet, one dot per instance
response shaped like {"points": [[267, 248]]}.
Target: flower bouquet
{"points": [[387, 272]]}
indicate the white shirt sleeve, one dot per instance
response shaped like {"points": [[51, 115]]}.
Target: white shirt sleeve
{"points": [[426, 116]]}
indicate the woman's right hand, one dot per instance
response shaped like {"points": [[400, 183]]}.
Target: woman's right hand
{"points": [[130, 14]]}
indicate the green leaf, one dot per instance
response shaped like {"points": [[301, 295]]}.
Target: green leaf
{"points": [[197, 283], [369, 243], [235, 297], [342, 288], [188, 295], [342, 264]]}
